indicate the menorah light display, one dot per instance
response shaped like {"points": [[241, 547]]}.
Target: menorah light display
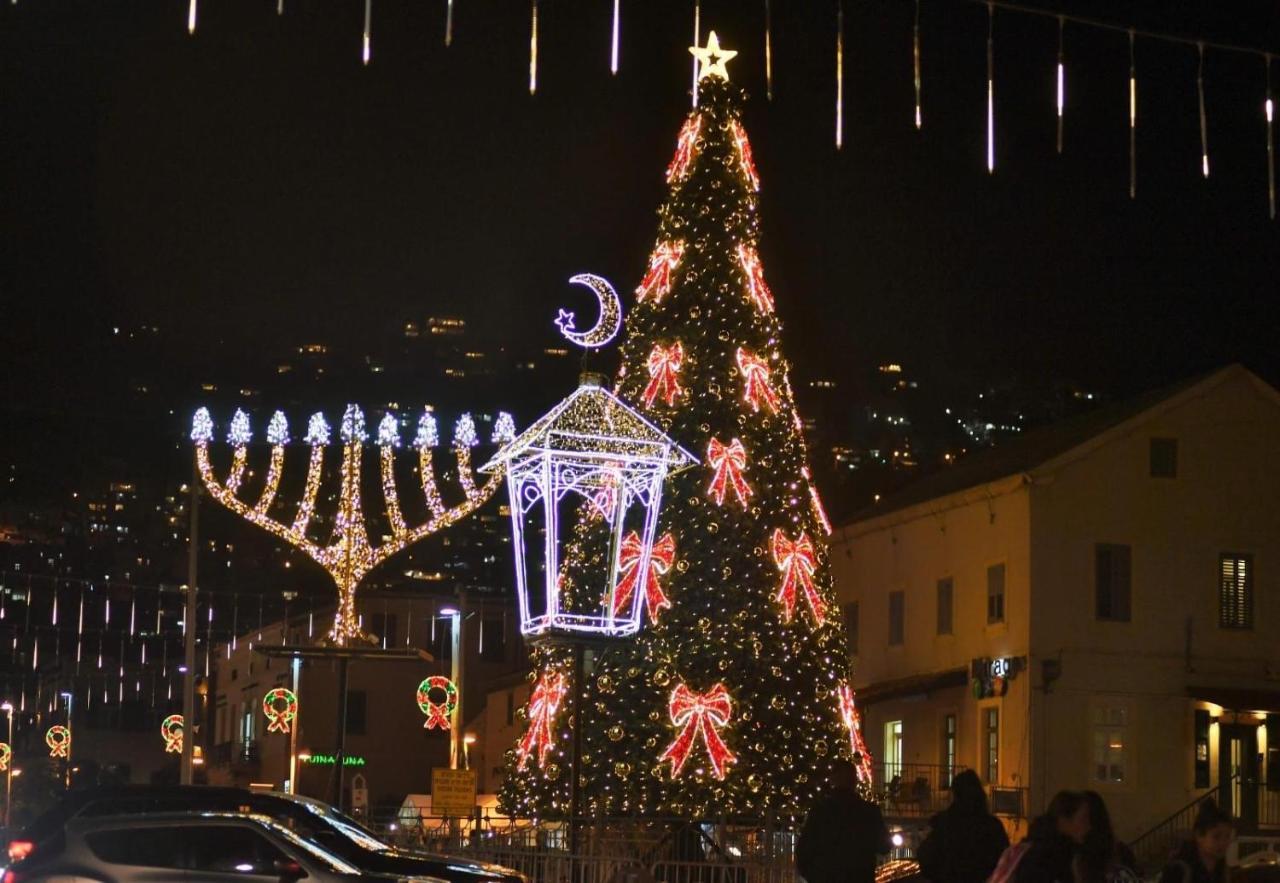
{"points": [[349, 555]]}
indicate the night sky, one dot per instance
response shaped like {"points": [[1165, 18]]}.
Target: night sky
{"points": [[253, 187]]}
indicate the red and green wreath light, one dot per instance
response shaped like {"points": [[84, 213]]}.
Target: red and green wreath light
{"points": [[58, 738], [171, 731], [437, 699], [281, 707]]}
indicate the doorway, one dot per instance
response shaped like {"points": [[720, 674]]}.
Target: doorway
{"points": [[1238, 772]]}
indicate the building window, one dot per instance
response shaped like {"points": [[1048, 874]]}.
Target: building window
{"points": [[1235, 591], [851, 626], [892, 750], [1164, 458], [1109, 725], [897, 611], [948, 749], [357, 706], [493, 640], [511, 707], [991, 745], [945, 587], [384, 627], [1112, 573], [995, 593]]}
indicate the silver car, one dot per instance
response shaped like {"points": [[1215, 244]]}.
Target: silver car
{"points": [[191, 847]]}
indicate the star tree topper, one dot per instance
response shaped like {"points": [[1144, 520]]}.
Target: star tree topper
{"points": [[711, 58]]}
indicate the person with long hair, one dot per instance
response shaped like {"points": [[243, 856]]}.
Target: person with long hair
{"points": [[1101, 857], [1203, 857], [965, 840], [1048, 854]]}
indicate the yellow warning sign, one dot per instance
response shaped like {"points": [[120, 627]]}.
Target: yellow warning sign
{"points": [[453, 792]]}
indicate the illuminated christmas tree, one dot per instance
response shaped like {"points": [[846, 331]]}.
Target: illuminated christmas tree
{"points": [[733, 699]]}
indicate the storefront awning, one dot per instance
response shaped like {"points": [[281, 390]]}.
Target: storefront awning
{"points": [[916, 685], [1238, 698]]}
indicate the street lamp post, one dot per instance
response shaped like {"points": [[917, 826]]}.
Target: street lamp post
{"points": [[457, 670], [7, 708], [70, 697]]}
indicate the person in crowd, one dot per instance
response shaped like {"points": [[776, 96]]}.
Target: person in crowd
{"points": [[843, 834], [1048, 853], [1203, 857], [965, 840], [1101, 857]]}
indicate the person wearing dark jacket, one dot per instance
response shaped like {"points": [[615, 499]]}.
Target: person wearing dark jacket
{"points": [[1054, 839], [842, 835], [1103, 858], [965, 840], [1203, 858]]}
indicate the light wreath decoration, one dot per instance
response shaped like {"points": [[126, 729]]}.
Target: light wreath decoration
{"points": [[280, 706], [796, 560], [728, 461], [761, 296], [662, 263], [439, 714], [348, 556], [757, 389], [853, 723], [664, 366], [544, 704], [6, 754], [661, 560], [171, 729], [702, 716], [686, 149], [58, 738]]}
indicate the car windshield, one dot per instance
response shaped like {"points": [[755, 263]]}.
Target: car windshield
{"points": [[345, 825], [320, 855]]}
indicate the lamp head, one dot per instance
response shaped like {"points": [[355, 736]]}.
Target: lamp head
{"points": [[7, 707], [450, 611]]}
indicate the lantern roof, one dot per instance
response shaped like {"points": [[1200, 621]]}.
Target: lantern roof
{"points": [[594, 422]]}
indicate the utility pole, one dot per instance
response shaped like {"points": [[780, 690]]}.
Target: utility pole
{"points": [[457, 671], [189, 630]]}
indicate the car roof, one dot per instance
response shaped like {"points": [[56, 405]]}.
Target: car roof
{"points": [[150, 819]]}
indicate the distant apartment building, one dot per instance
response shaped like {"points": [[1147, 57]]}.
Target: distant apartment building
{"points": [[1090, 605], [387, 741]]}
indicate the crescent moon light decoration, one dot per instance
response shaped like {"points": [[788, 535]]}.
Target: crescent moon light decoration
{"points": [[606, 329]]}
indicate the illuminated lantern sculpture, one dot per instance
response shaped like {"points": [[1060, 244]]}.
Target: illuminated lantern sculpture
{"points": [[588, 473], [438, 713], [281, 707]]}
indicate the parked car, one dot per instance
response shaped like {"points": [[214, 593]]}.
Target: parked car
{"points": [[311, 819], [197, 847]]}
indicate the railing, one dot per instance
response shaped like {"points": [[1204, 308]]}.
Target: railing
{"points": [[615, 850], [1155, 847], [239, 753], [912, 790]]}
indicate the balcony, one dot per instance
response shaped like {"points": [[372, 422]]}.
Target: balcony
{"points": [[239, 756], [918, 790]]}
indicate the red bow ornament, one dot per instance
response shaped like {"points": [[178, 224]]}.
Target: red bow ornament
{"points": [[661, 557], [728, 463], [657, 281], [543, 705], [686, 146], [664, 364], [853, 723], [702, 716], [745, 159], [796, 562], [757, 389], [759, 289]]}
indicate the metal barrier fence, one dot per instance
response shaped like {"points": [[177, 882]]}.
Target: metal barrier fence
{"points": [[620, 850]]}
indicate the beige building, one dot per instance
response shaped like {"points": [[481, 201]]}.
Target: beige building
{"points": [[1093, 605], [386, 740]]}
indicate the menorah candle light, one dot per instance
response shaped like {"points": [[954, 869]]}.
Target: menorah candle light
{"points": [[348, 556]]}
